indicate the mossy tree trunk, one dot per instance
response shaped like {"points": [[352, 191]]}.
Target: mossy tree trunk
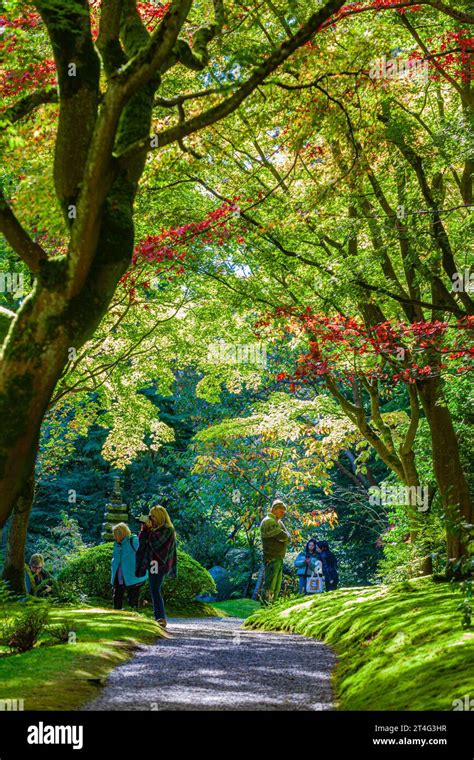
{"points": [[14, 565], [448, 468], [101, 147]]}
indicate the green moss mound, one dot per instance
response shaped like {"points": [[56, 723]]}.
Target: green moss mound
{"points": [[90, 574], [192, 581], [240, 608], [397, 648], [56, 676]]}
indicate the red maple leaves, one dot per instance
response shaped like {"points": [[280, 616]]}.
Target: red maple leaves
{"points": [[174, 243], [35, 75], [171, 247], [346, 347]]}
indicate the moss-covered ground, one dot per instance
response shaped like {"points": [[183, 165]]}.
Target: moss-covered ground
{"points": [[240, 608], [65, 676], [398, 647]]}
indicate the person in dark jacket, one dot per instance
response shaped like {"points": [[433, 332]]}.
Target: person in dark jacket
{"points": [[329, 563], [123, 576], [157, 554]]}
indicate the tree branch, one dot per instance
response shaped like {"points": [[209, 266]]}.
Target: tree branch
{"points": [[26, 248], [78, 67], [196, 57], [229, 105], [29, 103], [462, 16], [150, 58], [108, 40]]}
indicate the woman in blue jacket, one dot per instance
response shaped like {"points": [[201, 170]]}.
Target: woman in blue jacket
{"points": [[123, 567], [305, 563]]}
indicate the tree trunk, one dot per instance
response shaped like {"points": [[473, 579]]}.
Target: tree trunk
{"points": [[14, 567], [448, 469], [415, 517], [258, 585]]}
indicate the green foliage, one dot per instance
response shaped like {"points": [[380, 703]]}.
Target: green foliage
{"points": [[464, 568], [64, 543], [6, 600], [188, 431], [401, 556], [5, 593], [206, 542], [21, 632], [90, 571], [241, 564], [193, 580], [66, 593], [60, 632]]}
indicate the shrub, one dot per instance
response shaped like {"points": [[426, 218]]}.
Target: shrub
{"points": [[22, 632], [63, 543], [207, 543], [6, 597], [61, 632], [193, 580], [67, 593], [402, 556], [241, 564], [90, 572]]}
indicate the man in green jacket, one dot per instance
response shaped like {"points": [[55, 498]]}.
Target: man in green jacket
{"points": [[275, 540]]}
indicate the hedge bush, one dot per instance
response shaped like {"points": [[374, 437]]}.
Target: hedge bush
{"points": [[90, 572]]}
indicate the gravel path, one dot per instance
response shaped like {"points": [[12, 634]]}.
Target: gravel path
{"points": [[214, 664]]}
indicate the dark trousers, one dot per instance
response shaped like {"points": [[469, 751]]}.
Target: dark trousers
{"points": [[302, 584], [156, 582], [331, 585], [133, 594]]}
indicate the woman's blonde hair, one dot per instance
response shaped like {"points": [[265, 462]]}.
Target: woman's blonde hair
{"points": [[37, 560], [121, 530], [161, 516]]}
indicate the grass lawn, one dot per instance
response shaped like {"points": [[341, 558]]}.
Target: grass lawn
{"points": [[65, 676], [240, 608], [399, 647]]}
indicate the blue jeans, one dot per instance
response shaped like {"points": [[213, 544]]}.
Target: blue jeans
{"points": [[156, 582], [302, 580]]}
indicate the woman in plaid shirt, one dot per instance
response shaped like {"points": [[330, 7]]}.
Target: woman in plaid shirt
{"points": [[157, 555]]}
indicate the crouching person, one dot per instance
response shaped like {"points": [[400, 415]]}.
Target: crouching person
{"points": [[38, 581], [157, 555], [123, 576]]}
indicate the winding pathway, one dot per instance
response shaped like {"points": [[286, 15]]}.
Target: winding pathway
{"points": [[214, 664]]}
